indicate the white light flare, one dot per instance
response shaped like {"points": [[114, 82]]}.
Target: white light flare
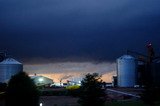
{"points": [[40, 104], [40, 79]]}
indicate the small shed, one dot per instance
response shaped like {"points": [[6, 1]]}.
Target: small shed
{"points": [[41, 80]]}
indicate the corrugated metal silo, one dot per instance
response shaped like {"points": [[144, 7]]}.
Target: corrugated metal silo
{"points": [[126, 71], [8, 68]]}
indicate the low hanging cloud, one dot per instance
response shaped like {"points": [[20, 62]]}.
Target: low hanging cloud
{"points": [[68, 70]]}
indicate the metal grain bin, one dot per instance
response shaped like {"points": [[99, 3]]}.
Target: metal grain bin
{"points": [[126, 71], [8, 68]]}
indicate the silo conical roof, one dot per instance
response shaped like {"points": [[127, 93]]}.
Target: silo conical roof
{"points": [[10, 61], [126, 57]]}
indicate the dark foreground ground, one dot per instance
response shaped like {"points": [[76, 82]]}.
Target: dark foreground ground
{"points": [[58, 101], [71, 101], [113, 99], [54, 101]]}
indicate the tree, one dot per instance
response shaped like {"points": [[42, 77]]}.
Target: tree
{"points": [[3, 87], [21, 91], [92, 93], [151, 93]]}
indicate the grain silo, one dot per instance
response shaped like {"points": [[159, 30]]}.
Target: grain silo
{"points": [[126, 71], [8, 68]]}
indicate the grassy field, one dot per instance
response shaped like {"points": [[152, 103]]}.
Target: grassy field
{"points": [[125, 103], [128, 103], [72, 101]]}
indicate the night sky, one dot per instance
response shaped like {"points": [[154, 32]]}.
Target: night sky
{"points": [[78, 30]]}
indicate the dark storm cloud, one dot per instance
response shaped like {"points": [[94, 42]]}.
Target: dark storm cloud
{"points": [[95, 29]]}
